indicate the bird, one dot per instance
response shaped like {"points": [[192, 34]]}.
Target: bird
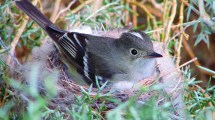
{"points": [[94, 59]]}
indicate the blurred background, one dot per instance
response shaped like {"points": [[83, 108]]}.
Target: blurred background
{"points": [[186, 26]]}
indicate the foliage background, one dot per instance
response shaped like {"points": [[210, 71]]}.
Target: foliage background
{"points": [[187, 27]]}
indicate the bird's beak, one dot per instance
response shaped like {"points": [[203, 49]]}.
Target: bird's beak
{"points": [[154, 55]]}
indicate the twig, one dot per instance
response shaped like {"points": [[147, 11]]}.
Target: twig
{"points": [[147, 12], [134, 17], [97, 4], [206, 69], [174, 26], [40, 5], [81, 1], [164, 14], [127, 15], [178, 34], [56, 9], [173, 13], [16, 40], [188, 62], [181, 19], [81, 6], [102, 8], [63, 10], [156, 5]]}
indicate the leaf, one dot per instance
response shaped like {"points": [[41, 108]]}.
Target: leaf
{"points": [[211, 89], [134, 113], [195, 26], [188, 12], [206, 40], [206, 69], [199, 39], [2, 51]]}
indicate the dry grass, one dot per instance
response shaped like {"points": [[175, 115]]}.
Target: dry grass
{"points": [[163, 21]]}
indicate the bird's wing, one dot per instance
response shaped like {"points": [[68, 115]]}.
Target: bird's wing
{"points": [[106, 66], [73, 46]]}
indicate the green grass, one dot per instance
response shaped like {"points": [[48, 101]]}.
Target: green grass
{"points": [[33, 100]]}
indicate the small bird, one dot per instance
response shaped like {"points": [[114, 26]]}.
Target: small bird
{"points": [[129, 58]]}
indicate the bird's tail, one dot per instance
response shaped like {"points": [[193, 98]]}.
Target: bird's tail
{"points": [[29, 9]]}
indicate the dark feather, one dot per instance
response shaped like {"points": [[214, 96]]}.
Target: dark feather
{"points": [[73, 45], [104, 68], [53, 31]]}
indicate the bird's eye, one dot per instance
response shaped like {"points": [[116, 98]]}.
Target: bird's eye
{"points": [[133, 51]]}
